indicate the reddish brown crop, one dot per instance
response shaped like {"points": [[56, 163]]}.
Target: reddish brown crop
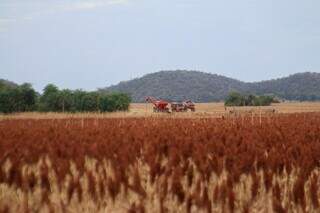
{"points": [[161, 164]]}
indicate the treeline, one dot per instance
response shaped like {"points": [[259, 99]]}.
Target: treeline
{"points": [[23, 98], [237, 99], [17, 98]]}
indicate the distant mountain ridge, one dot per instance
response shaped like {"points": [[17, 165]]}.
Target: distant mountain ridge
{"points": [[206, 87]]}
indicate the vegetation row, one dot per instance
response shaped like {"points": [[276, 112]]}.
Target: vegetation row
{"points": [[238, 99], [24, 98]]}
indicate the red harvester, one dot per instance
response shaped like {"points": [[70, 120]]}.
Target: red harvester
{"points": [[158, 105], [162, 106]]}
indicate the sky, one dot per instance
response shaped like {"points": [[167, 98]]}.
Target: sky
{"points": [[92, 44]]}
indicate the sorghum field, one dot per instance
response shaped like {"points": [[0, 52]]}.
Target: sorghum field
{"points": [[161, 164]]}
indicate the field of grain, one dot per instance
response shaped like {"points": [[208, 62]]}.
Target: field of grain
{"points": [[202, 110], [160, 164], [214, 109]]}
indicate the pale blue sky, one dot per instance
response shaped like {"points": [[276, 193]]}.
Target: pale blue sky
{"points": [[95, 43]]}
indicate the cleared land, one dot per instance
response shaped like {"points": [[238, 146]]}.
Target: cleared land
{"points": [[161, 164], [218, 108], [202, 110]]}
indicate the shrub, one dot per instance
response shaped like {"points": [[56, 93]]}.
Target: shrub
{"points": [[237, 99]]}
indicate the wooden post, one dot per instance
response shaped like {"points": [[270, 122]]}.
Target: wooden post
{"points": [[260, 113], [252, 117]]}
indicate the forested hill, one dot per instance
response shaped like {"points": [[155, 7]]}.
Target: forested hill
{"points": [[179, 85], [300, 86], [204, 87], [7, 83]]}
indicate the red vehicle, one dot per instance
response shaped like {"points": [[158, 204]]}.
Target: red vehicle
{"points": [[158, 105], [162, 105]]}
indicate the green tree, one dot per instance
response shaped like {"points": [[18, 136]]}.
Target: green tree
{"points": [[90, 102], [65, 101], [250, 100], [17, 99], [122, 101], [24, 98], [114, 102], [105, 103], [78, 96], [264, 100], [235, 99], [28, 96], [5, 104], [49, 101]]}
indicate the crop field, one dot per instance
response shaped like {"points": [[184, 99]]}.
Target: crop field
{"points": [[203, 110], [161, 164], [218, 109]]}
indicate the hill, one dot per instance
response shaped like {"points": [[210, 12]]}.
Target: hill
{"points": [[301, 86], [205, 87], [6, 83], [179, 85]]}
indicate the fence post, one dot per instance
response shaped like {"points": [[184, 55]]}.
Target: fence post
{"points": [[260, 113]]}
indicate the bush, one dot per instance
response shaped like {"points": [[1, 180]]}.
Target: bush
{"points": [[236, 99]]}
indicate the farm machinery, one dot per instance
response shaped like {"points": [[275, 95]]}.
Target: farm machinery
{"points": [[183, 106], [158, 105], [162, 106]]}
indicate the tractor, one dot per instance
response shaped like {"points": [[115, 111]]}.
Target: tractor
{"points": [[182, 106], [178, 107], [189, 105], [158, 105]]}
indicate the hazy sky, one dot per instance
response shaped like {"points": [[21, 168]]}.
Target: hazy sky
{"points": [[95, 43]]}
